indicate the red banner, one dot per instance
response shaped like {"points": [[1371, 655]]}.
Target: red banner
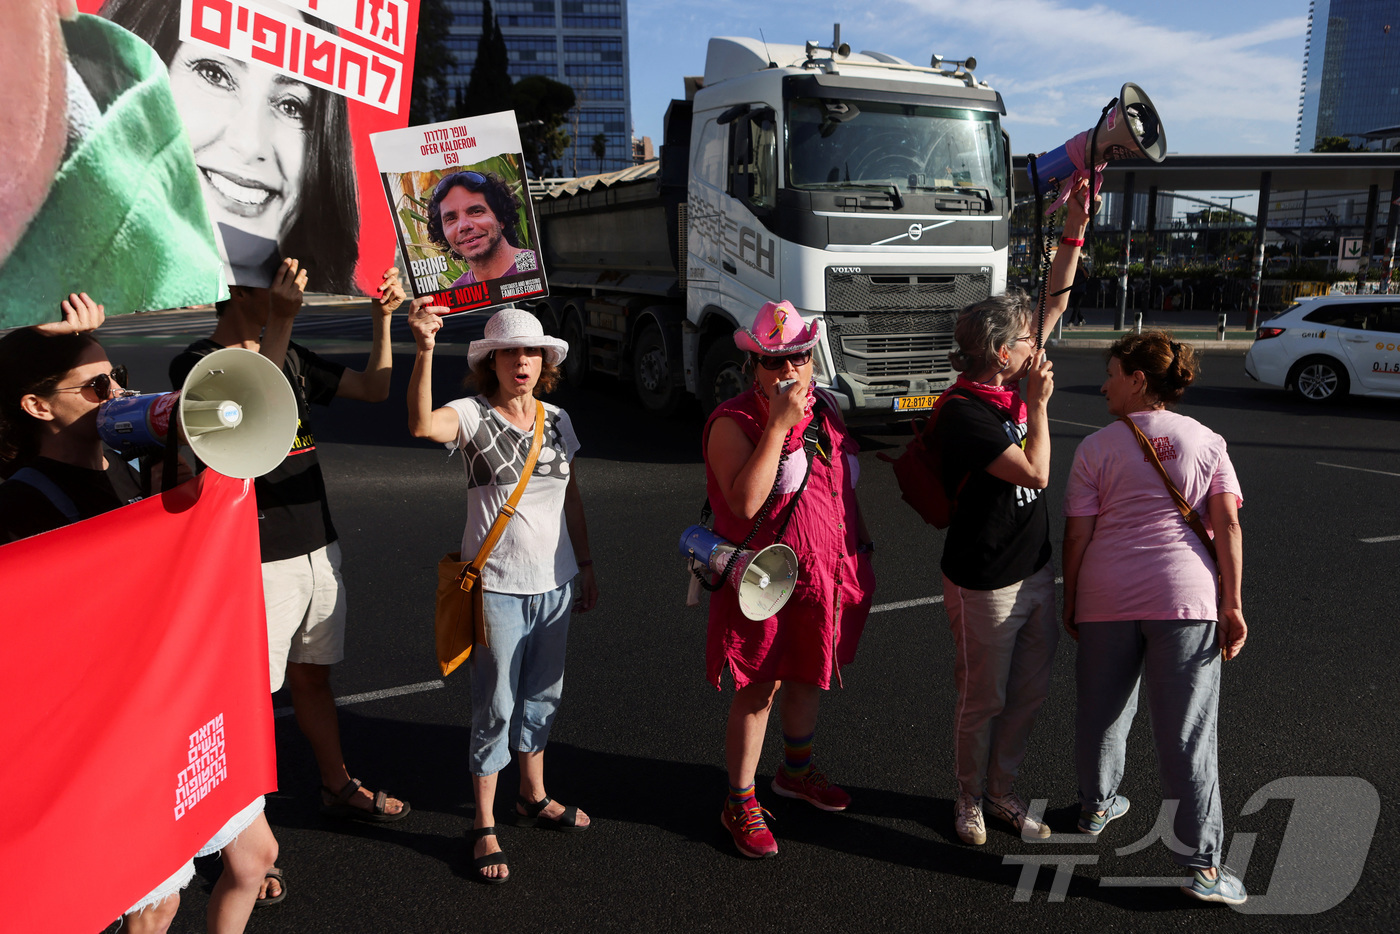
{"points": [[134, 684]]}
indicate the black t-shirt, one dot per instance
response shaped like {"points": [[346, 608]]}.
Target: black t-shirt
{"points": [[294, 516], [26, 510], [1000, 533]]}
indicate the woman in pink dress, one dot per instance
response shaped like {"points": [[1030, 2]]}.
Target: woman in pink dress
{"points": [[783, 461]]}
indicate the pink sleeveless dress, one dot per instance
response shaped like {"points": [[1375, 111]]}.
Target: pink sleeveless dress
{"points": [[818, 630]]}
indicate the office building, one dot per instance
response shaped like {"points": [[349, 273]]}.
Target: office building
{"points": [[582, 43], [1351, 71]]}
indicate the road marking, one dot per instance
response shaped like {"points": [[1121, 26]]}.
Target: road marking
{"points": [[905, 604], [924, 601], [376, 695], [1065, 421], [1162, 882], [1384, 473], [1383, 538]]}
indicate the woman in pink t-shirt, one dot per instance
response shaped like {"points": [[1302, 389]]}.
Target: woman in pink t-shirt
{"points": [[1141, 599]]}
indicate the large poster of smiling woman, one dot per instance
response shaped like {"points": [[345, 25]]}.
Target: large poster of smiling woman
{"points": [[277, 99], [462, 211]]}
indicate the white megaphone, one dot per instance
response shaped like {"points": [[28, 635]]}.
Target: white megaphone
{"points": [[235, 410], [764, 579], [1128, 129]]}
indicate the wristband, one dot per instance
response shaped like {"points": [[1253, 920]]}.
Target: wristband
{"points": [[585, 563], [1071, 241]]}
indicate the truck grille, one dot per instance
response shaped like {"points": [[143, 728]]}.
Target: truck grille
{"points": [[893, 345], [930, 290]]}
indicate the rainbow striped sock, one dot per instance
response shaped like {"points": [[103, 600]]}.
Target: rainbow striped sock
{"points": [[797, 754], [738, 797]]}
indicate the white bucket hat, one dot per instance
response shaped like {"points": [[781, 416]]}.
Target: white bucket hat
{"points": [[516, 327]]}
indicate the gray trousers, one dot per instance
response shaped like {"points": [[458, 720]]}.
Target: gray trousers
{"points": [[1179, 661], [1005, 642]]}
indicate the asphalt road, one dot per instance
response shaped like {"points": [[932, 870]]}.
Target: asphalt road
{"points": [[638, 743]]}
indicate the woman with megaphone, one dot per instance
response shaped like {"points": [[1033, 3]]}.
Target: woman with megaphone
{"points": [[53, 379], [780, 465], [519, 458]]}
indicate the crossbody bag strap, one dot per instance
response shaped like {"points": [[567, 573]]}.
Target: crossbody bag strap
{"points": [[472, 571], [1192, 517]]}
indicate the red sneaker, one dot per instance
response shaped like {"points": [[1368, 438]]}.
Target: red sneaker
{"points": [[750, 831], [813, 788]]}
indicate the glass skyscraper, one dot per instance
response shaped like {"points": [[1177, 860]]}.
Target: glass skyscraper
{"points": [[1351, 71], [582, 43]]}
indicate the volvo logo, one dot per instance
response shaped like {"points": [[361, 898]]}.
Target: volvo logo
{"points": [[915, 231]]}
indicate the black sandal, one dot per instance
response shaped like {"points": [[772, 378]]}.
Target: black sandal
{"points": [[566, 822], [337, 804], [270, 900], [490, 859]]}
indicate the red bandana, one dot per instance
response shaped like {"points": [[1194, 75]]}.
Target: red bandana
{"points": [[1007, 398]]}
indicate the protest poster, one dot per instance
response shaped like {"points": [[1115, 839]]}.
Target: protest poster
{"points": [[137, 702], [462, 211], [188, 145]]}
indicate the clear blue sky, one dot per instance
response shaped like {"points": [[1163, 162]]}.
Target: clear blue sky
{"points": [[1225, 74]]}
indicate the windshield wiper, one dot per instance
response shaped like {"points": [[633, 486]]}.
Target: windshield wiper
{"points": [[891, 190]]}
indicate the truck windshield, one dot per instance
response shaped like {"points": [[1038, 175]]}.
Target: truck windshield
{"points": [[834, 144]]}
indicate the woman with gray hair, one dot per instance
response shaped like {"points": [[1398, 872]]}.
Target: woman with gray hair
{"points": [[998, 581]]}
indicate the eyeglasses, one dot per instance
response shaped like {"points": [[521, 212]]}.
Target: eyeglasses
{"points": [[801, 358], [1029, 337], [101, 384]]}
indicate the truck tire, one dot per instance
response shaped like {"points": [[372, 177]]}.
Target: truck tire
{"points": [[721, 374], [651, 373], [576, 363]]}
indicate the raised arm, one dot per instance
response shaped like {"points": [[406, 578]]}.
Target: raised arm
{"points": [[372, 383], [288, 290], [1229, 554], [423, 420], [1067, 257]]}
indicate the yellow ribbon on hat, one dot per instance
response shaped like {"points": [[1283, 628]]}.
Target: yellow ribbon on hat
{"points": [[779, 319]]}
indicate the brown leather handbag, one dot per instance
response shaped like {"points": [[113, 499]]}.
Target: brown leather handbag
{"points": [[461, 619]]}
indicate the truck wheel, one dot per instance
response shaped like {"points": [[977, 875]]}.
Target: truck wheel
{"points": [[721, 374], [651, 372], [576, 363]]}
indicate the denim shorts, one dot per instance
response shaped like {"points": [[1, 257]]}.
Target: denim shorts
{"points": [[182, 876]]}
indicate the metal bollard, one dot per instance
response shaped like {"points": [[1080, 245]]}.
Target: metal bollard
{"points": [[1060, 329], [1220, 328], [1137, 323]]}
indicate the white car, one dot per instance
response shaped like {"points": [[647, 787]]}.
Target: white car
{"points": [[1324, 347]]}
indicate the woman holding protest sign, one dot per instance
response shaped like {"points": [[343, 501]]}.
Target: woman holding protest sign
{"points": [[515, 449], [274, 153], [53, 379]]}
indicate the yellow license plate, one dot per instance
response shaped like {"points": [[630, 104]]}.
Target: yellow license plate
{"points": [[914, 403]]}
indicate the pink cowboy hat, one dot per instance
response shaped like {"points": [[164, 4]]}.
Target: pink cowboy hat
{"points": [[778, 330]]}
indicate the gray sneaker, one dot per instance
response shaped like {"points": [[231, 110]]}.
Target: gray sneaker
{"points": [[1012, 809], [967, 819], [1093, 824], [1225, 887]]}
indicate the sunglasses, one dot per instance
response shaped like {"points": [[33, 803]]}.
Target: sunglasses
{"points": [[801, 358], [101, 384], [476, 178]]}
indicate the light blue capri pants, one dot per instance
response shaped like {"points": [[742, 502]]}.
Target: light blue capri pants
{"points": [[518, 680], [1179, 661]]}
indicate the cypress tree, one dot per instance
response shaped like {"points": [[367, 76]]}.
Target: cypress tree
{"points": [[488, 89]]}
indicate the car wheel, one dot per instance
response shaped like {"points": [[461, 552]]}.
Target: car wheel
{"points": [[721, 374], [1319, 379], [576, 363], [651, 373]]}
